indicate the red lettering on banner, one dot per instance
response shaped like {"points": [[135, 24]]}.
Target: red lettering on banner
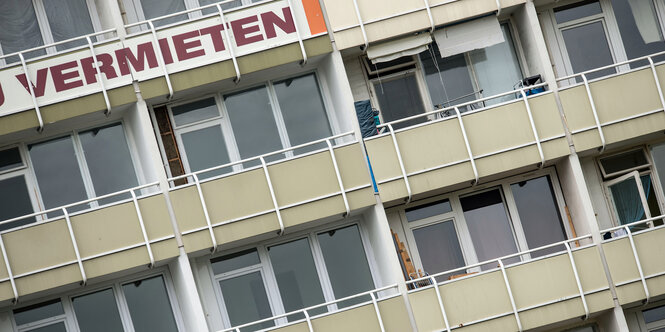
{"points": [[59, 76], [240, 32], [166, 51], [215, 33], [42, 74], [144, 51], [271, 20], [2, 96], [183, 49], [106, 67]]}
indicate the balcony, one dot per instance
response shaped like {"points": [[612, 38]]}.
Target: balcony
{"points": [[360, 22], [456, 148], [613, 109], [72, 247], [192, 53], [271, 197]]}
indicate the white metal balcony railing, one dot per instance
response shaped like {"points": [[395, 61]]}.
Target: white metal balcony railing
{"points": [[264, 165], [66, 215]]}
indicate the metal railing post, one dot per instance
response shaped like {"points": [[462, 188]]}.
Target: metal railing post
{"points": [[533, 127], [440, 299], [594, 111], [362, 24], [99, 76], [339, 177], [229, 43], [205, 211], [378, 312], [657, 81], [468, 146], [429, 15], [510, 295], [76, 247], [309, 321], [639, 265], [9, 269], [143, 231], [300, 41], [577, 280], [160, 58], [32, 92], [272, 195], [401, 163]]}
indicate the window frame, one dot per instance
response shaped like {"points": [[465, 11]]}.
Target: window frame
{"points": [[209, 282], [466, 244], [135, 13]]}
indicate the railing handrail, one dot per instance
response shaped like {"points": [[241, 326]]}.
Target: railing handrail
{"points": [[634, 223], [233, 163], [83, 37], [59, 208], [517, 254], [376, 290], [613, 65]]}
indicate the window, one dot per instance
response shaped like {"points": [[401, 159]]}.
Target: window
{"points": [[140, 10], [15, 200], [239, 125], [654, 319], [142, 305], [304, 271], [472, 226], [29, 24], [402, 88]]}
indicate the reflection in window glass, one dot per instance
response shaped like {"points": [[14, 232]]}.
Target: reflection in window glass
{"points": [[399, 98], [448, 80], [539, 214], [149, 305], [628, 203], [588, 48], [9, 159], [38, 312], [235, 261], [489, 226], [14, 202], [346, 263], [577, 11], [194, 112], [296, 275], [438, 248], [639, 28], [57, 327], [654, 314], [205, 148], [428, 210], [68, 19], [624, 161], [20, 29], [246, 300], [158, 8], [97, 312]]}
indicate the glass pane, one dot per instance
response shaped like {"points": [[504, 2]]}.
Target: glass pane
{"points": [[57, 327], [626, 198], [10, 158], [539, 214], [149, 305], [654, 314], [38, 312], [588, 49], [577, 11], [302, 109], [439, 248], [399, 98], [193, 112], [428, 210], [346, 263], [206, 148], [57, 169], [448, 80], [639, 28], [624, 161], [497, 68], [235, 261], [68, 19], [157, 8], [108, 159], [253, 122], [14, 202], [246, 300], [489, 226], [97, 312], [296, 275], [225, 6], [20, 29]]}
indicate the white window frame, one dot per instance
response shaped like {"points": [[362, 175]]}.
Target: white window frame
{"points": [[635, 175], [457, 215], [214, 304], [135, 13], [23, 171], [69, 316]]}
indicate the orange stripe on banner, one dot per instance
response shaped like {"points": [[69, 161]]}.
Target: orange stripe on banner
{"points": [[314, 16]]}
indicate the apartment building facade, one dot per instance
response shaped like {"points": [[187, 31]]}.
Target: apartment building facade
{"points": [[347, 165]]}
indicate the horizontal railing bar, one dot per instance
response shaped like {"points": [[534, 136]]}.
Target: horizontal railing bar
{"points": [[635, 223], [83, 37], [614, 65]]}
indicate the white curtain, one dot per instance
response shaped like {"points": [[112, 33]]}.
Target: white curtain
{"points": [[646, 20], [19, 26], [395, 49], [68, 19]]}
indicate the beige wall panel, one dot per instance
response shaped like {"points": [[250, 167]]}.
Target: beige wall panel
{"points": [[505, 323], [352, 166], [338, 13], [52, 239], [651, 248], [656, 286], [617, 97], [360, 319], [632, 292], [546, 115], [397, 26], [600, 301], [87, 104], [236, 196], [203, 75], [6, 291], [634, 128], [106, 229], [576, 107], [154, 87], [590, 269], [383, 158], [376, 10], [392, 190], [117, 262], [304, 178], [552, 313], [475, 298], [394, 314], [18, 121], [441, 178], [349, 38], [587, 140], [300, 327], [555, 148], [266, 223], [527, 281], [431, 145], [620, 260], [508, 160], [156, 216], [187, 208], [165, 249], [498, 128], [48, 279], [197, 241], [426, 312], [3, 268], [314, 210], [359, 199]]}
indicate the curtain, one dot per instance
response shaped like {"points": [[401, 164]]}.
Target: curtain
{"points": [[627, 199], [20, 30], [645, 19], [68, 19]]}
